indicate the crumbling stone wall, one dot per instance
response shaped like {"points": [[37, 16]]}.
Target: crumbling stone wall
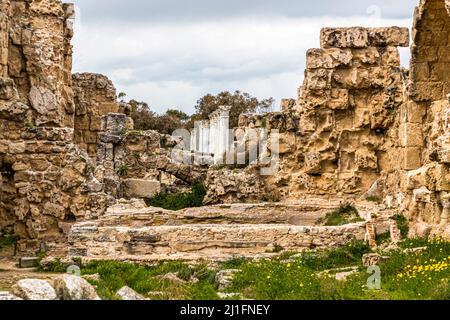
{"points": [[39, 58], [95, 96], [44, 174], [336, 138]]}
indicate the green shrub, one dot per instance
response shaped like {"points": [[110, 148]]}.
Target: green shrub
{"points": [[402, 224], [144, 279], [179, 201], [344, 215], [374, 199], [383, 238], [350, 254], [123, 170], [7, 238]]}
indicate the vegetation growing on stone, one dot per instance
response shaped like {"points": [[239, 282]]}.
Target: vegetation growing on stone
{"points": [[345, 214], [178, 201], [7, 238], [402, 224]]}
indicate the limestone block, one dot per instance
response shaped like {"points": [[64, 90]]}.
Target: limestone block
{"points": [[412, 158], [442, 177], [421, 177], [444, 156], [33, 289], [373, 259], [13, 110], [287, 143], [415, 112], [422, 195], [344, 37], [70, 287], [114, 122], [366, 56], [318, 79], [358, 37], [420, 71], [390, 36], [128, 294], [327, 58], [313, 162], [42, 100], [428, 91], [308, 123], [366, 159], [410, 135], [138, 188], [339, 99], [363, 78], [391, 57], [7, 89]]}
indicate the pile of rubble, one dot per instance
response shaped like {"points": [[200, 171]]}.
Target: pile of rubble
{"points": [[64, 287]]}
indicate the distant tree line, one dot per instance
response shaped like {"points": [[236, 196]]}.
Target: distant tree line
{"points": [[173, 119]]}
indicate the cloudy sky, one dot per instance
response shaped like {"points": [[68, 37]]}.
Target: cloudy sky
{"points": [[170, 53]]}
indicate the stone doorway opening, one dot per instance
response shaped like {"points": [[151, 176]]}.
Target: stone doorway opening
{"points": [[430, 52]]}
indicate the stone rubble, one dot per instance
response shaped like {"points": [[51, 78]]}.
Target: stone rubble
{"points": [[34, 289], [126, 293], [70, 287]]}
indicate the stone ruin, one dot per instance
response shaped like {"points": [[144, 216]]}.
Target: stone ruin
{"points": [[73, 169]]}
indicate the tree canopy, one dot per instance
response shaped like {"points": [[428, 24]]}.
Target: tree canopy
{"points": [[173, 119]]}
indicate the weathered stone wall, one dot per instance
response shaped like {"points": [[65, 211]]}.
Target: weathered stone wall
{"points": [[40, 59], [44, 174], [424, 124], [95, 96], [336, 139]]}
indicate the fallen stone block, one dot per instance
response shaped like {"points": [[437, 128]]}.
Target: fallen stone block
{"points": [[127, 293], [34, 289], [70, 287], [373, 259], [137, 188], [28, 262]]}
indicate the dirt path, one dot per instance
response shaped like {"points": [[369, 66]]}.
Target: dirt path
{"points": [[10, 274]]}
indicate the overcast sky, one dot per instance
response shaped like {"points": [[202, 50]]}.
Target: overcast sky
{"points": [[170, 53]]}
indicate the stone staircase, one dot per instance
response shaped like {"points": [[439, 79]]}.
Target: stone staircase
{"points": [[130, 231]]}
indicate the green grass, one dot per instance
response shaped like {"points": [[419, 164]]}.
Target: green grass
{"points": [[383, 238], [344, 215], [302, 277], [144, 280], [179, 201], [299, 280], [122, 171]]}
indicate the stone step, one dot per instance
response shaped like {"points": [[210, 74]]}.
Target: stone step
{"points": [[135, 213], [202, 241]]}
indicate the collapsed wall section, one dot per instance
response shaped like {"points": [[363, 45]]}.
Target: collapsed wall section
{"points": [[349, 100]]}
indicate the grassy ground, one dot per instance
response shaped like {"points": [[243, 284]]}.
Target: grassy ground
{"points": [[406, 275]]}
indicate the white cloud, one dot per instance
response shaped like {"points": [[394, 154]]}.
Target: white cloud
{"points": [[171, 64]]}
